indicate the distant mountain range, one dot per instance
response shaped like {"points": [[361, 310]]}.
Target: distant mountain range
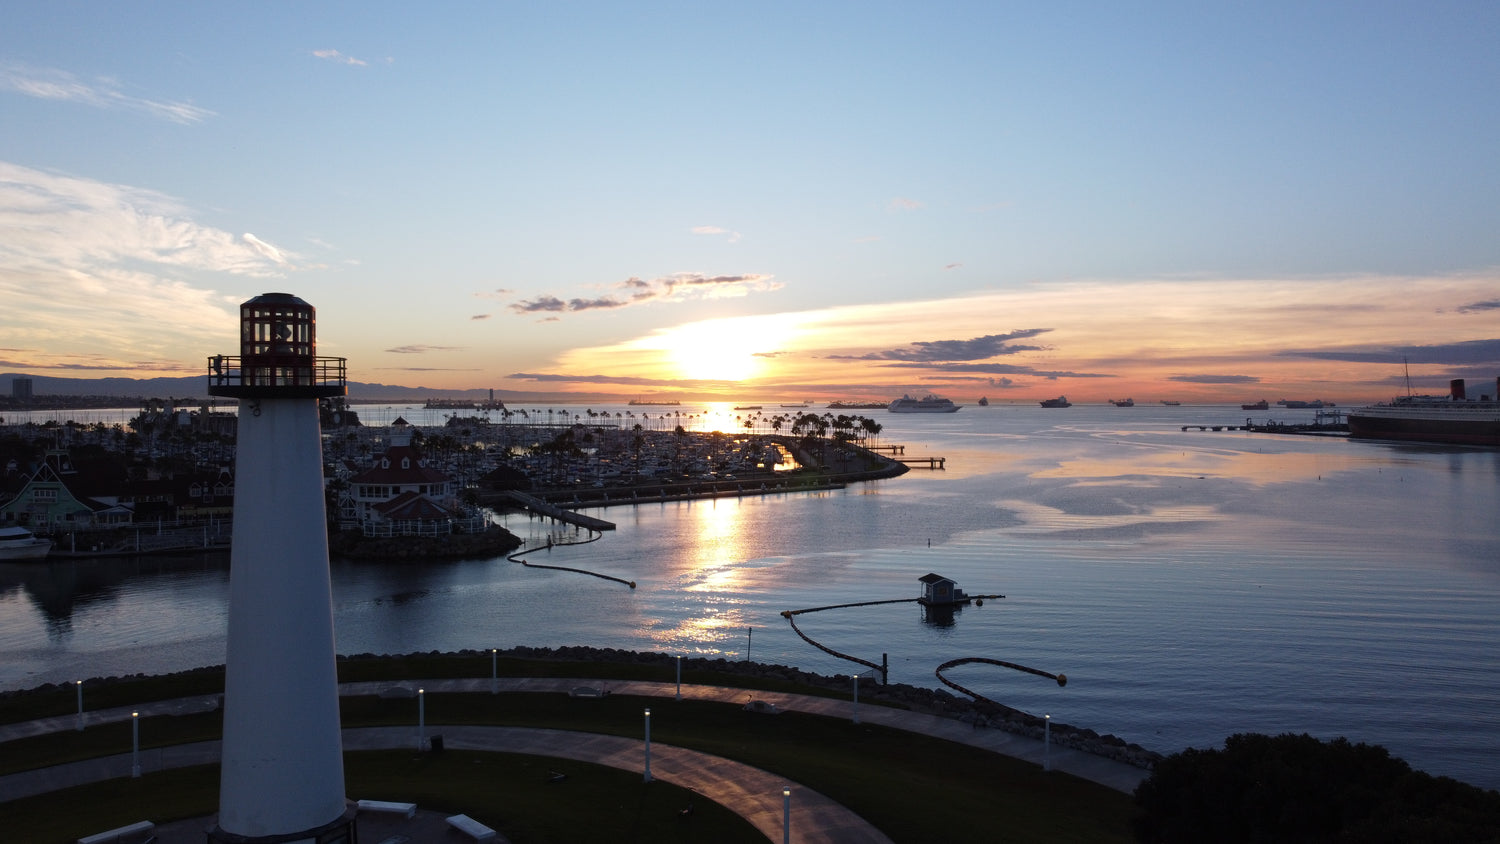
{"points": [[197, 386]]}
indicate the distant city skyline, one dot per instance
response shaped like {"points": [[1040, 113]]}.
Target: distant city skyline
{"points": [[1166, 201]]}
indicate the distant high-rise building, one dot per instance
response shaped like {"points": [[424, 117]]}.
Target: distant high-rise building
{"points": [[282, 778], [20, 389]]}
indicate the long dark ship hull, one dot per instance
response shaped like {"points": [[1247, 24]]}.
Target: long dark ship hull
{"points": [[1433, 419]]}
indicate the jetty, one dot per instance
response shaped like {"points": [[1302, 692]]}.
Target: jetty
{"points": [[927, 462], [552, 511], [1325, 423]]}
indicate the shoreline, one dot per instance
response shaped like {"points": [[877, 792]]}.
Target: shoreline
{"points": [[978, 714]]}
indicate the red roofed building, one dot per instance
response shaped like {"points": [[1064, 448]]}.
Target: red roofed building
{"points": [[401, 494]]}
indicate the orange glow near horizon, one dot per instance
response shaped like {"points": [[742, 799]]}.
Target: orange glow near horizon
{"points": [[1193, 341]]}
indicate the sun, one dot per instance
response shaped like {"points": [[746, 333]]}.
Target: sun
{"points": [[722, 349]]}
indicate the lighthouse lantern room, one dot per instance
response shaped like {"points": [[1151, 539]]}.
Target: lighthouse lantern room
{"points": [[278, 354]]}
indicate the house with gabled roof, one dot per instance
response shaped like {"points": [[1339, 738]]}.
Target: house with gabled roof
{"points": [[402, 495], [53, 500]]}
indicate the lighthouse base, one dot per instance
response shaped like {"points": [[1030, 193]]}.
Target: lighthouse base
{"points": [[340, 831]]}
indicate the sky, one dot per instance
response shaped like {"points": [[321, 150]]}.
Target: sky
{"points": [[827, 200]]}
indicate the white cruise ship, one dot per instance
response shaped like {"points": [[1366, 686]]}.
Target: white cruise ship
{"points": [[929, 404]]}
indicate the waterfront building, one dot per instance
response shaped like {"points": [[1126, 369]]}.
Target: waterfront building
{"points": [[282, 772], [401, 495], [56, 498]]}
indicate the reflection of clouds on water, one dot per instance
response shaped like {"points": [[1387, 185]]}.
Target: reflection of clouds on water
{"points": [[1241, 466], [1134, 521]]}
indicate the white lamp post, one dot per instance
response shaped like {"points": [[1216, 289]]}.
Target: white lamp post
{"points": [[1046, 742], [79, 684], [421, 719], [494, 671], [786, 815], [135, 744], [679, 676], [855, 678], [648, 745]]}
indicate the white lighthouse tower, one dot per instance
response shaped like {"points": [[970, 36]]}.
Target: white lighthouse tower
{"points": [[283, 768]]}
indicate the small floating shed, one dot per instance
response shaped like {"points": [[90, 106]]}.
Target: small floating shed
{"points": [[939, 591]]}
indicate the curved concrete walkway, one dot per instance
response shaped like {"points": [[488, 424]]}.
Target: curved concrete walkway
{"points": [[750, 792]]}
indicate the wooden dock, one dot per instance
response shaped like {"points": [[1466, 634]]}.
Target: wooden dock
{"points": [[552, 511], [928, 462]]}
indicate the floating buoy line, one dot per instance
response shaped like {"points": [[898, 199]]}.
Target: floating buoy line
{"points": [[592, 537]]}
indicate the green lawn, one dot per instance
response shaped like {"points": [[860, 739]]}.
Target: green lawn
{"points": [[896, 780]]}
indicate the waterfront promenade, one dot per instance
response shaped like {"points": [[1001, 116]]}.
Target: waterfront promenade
{"points": [[754, 794]]}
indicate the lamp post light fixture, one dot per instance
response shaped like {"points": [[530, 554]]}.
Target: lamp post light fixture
{"points": [[1046, 742], [79, 684], [135, 744], [679, 676], [647, 778], [421, 719], [786, 815]]}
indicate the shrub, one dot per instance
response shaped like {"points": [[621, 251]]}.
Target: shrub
{"points": [[1292, 788]]}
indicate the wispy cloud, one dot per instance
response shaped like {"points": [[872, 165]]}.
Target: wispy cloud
{"points": [[637, 291], [100, 92], [731, 236], [422, 349], [1467, 353], [1214, 379], [72, 247], [339, 58], [998, 369], [633, 381], [902, 203], [978, 348], [52, 221], [1480, 307]]}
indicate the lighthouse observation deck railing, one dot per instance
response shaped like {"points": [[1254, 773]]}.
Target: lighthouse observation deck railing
{"points": [[245, 375]]}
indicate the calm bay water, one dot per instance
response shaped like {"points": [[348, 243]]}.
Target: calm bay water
{"points": [[1190, 584]]}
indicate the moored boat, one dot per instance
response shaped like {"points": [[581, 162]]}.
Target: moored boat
{"points": [[1453, 418], [1260, 405], [1122, 402], [1060, 401], [18, 543]]}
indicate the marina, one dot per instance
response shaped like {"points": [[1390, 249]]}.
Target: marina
{"points": [[1189, 586]]}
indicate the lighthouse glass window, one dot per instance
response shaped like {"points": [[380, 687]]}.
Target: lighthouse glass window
{"points": [[280, 331]]}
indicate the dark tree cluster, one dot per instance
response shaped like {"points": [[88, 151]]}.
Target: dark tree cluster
{"points": [[1295, 789]]}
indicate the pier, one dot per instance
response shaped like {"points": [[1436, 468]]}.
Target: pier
{"points": [[893, 449], [1325, 423], [926, 462], [537, 505]]}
